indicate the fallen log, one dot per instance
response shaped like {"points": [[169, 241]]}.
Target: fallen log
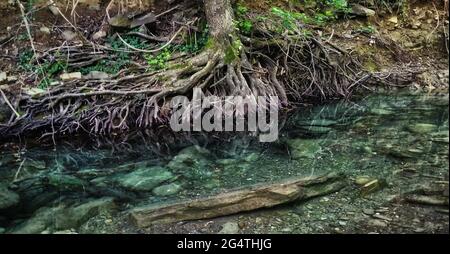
{"points": [[239, 200]]}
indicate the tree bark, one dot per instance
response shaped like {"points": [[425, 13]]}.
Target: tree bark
{"points": [[219, 15]]}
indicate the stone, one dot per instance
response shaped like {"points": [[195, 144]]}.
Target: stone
{"points": [[304, 148], [371, 187], [97, 75], [190, 158], [167, 190], [69, 35], [145, 179], [360, 10], [74, 217], [229, 228], [377, 223], [381, 112], [45, 30], [368, 211], [120, 21], [98, 35], [39, 222], [61, 218], [70, 76], [422, 128], [362, 180], [393, 20], [252, 157], [3, 76], [8, 198], [2, 230]]}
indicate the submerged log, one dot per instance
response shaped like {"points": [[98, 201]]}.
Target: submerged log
{"points": [[239, 200]]}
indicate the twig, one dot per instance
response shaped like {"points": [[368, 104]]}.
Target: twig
{"points": [[153, 50], [18, 170], [9, 103]]}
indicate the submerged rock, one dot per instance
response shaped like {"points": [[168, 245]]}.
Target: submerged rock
{"points": [[8, 198], [50, 219], [190, 157], [145, 179], [167, 190], [422, 128], [304, 148]]}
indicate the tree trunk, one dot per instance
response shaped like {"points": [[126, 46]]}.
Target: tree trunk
{"points": [[219, 15]]}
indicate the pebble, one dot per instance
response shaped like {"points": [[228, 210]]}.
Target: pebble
{"points": [[368, 211]]}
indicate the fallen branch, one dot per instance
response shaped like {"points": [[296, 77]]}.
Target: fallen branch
{"points": [[241, 200]]}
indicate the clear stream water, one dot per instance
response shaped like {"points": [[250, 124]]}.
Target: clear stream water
{"points": [[377, 136]]}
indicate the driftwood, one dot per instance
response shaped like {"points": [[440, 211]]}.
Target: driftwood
{"points": [[240, 200]]}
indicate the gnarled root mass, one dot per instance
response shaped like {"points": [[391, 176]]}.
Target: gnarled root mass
{"points": [[294, 67]]}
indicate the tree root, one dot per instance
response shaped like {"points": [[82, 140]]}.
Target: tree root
{"points": [[292, 67]]}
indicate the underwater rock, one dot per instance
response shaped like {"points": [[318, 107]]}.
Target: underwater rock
{"points": [[49, 219], [304, 148], [74, 217], [41, 220], [317, 129], [422, 128], [167, 190], [2, 230], [318, 122], [230, 227], [252, 157], [145, 179], [8, 198], [241, 200], [190, 157], [381, 112]]}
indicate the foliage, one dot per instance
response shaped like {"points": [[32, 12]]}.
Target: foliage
{"points": [[194, 42], [159, 61], [243, 24]]}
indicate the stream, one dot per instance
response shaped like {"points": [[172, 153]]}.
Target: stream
{"points": [[399, 139]]}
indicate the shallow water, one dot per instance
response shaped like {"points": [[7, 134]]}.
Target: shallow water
{"points": [[379, 136]]}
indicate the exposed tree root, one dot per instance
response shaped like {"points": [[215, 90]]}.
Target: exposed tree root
{"points": [[293, 67]]}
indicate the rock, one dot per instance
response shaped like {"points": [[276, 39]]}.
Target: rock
{"points": [[360, 10], [167, 190], [34, 92], [2, 230], [377, 223], [45, 30], [393, 20], [70, 76], [3, 76], [40, 221], [74, 217], [97, 75], [381, 112], [54, 10], [229, 228], [145, 179], [50, 219], [98, 35], [120, 21], [371, 187], [368, 211], [8, 198], [66, 232], [304, 148], [69, 35], [193, 157], [252, 157], [317, 129], [422, 128], [147, 19]]}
